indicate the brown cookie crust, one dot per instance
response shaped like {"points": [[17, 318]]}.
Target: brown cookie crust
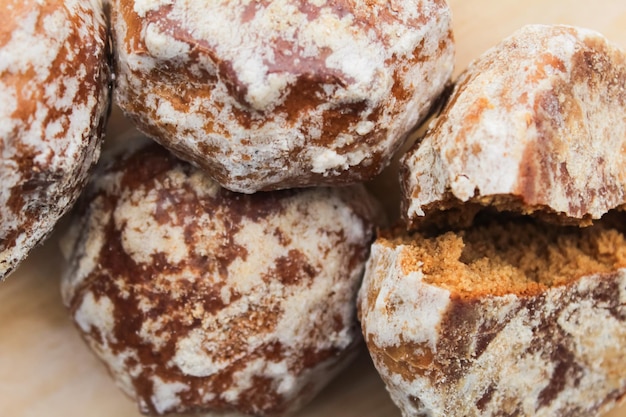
{"points": [[535, 125], [281, 94], [200, 299]]}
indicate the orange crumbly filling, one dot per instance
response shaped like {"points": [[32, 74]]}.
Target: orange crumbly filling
{"points": [[516, 256]]}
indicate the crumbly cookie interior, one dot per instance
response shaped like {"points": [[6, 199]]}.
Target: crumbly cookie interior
{"points": [[502, 255]]}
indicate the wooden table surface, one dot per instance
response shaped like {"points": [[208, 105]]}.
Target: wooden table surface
{"points": [[46, 370]]}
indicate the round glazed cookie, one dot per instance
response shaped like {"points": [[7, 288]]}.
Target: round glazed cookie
{"points": [[269, 95], [496, 302], [536, 125], [54, 97], [201, 299]]}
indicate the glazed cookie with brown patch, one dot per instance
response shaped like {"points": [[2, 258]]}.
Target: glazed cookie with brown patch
{"points": [[507, 318], [536, 124], [200, 299], [280, 94], [497, 301], [54, 98]]}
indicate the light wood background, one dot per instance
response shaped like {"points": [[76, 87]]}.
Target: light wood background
{"points": [[46, 370]]}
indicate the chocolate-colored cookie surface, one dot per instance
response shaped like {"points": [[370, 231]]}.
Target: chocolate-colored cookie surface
{"points": [[281, 94], [198, 298]]}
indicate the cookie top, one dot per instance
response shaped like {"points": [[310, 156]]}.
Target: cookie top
{"points": [[54, 96], [536, 124], [281, 94]]}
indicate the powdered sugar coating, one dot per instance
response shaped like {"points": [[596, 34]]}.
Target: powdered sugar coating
{"points": [[281, 94], [556, 353], [198, 298], [53, 101], [538, 118]]}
